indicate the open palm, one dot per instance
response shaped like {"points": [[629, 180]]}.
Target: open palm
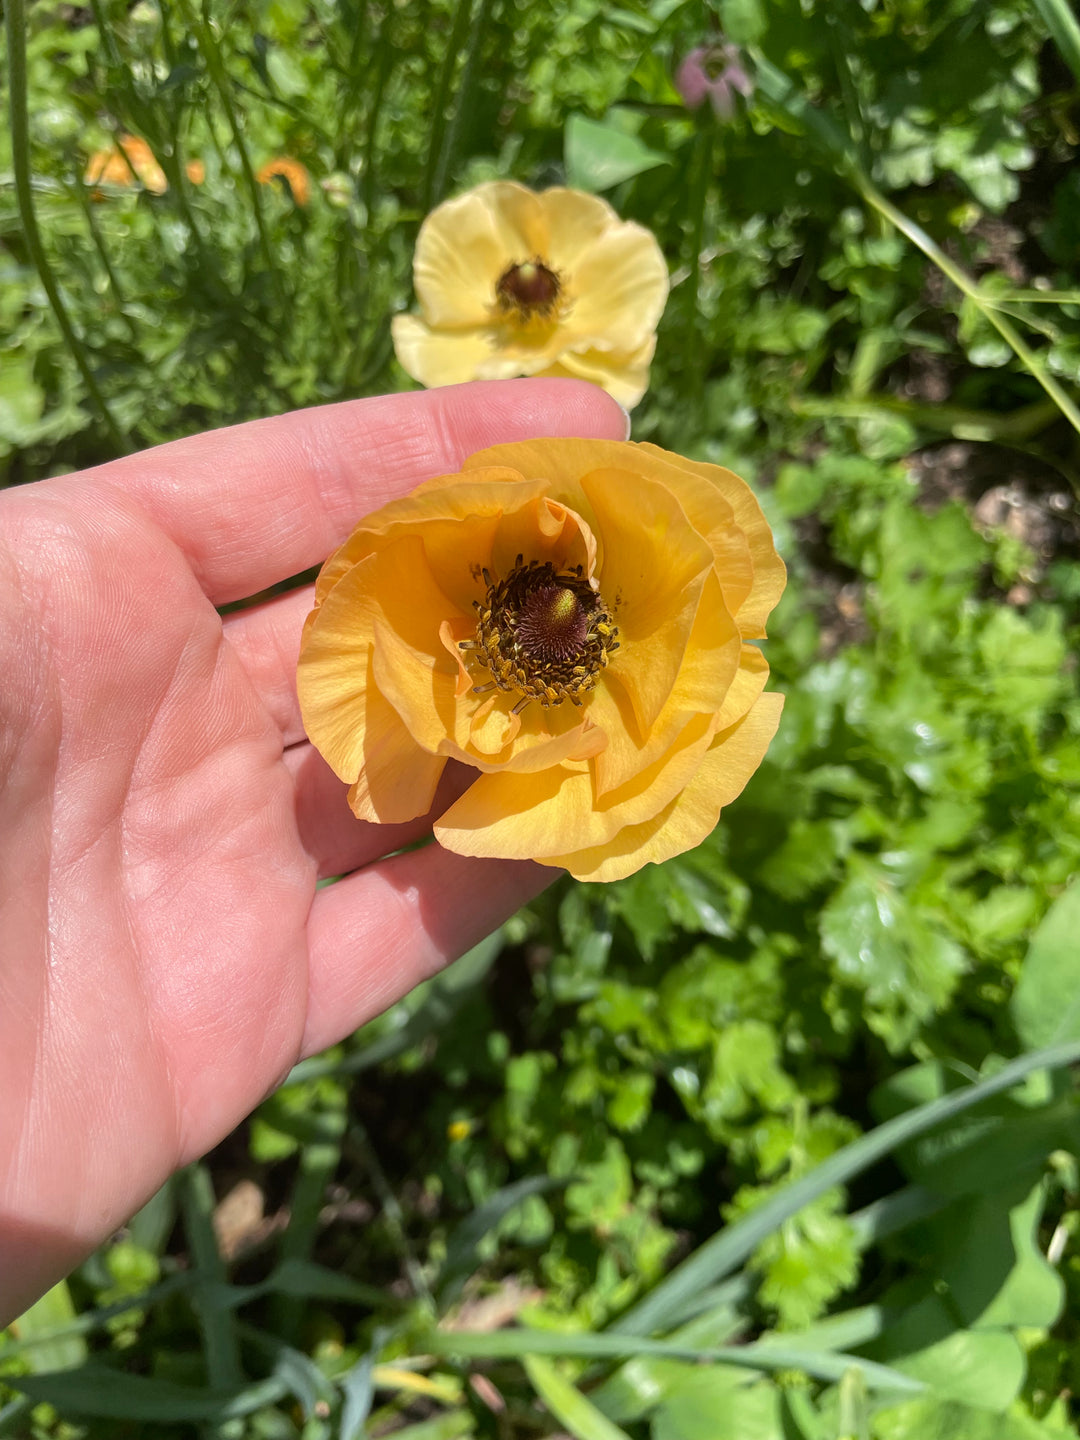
{"points": [[164, 956]]}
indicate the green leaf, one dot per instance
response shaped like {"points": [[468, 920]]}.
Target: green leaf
{"points": [[1046, 1003], [729, 1249], [885, 946], [105, 1394], [52, 1312], [462, 1247], [708, 1406], [984, 1368], [599, 156], [768, 1356]]}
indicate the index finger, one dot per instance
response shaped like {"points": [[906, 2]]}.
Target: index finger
{"points": [[253, 504]]}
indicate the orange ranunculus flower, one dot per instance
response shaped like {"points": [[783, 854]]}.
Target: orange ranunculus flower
{"points": [[284, 167], [130, 159], [511, 282], [569, 618]]}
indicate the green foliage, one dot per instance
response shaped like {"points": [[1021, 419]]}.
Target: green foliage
{"points": [[648, 1068]]}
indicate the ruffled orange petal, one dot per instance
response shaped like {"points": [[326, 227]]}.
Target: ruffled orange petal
{"points": [[710, 666], [460, 524], [651, 567], [523, 817], [769, 571], [690, 817]]}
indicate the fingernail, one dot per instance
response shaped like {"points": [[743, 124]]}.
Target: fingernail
{"points": [[629, 422]]}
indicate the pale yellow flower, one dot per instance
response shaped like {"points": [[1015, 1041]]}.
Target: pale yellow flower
{"points": [[514, 282], [569, 618]]}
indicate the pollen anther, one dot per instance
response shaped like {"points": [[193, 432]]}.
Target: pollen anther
{"points": [[543, 633]]}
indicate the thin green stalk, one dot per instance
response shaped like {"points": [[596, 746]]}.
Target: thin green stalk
{"points": [[218, 1324], [103, 255], [214, 63], [458, 31], [1064, 27], [15, 19], [819, 126], [703, 151], [360, 1140], [969, 288], [463, 101], [383, 66]]}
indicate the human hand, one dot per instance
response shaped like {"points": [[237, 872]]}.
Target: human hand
{"points": [[165, 959]]}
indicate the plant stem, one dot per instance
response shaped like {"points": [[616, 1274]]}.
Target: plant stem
{"points": [[778, 88], [462, 102], [15, 19], [430, 196], [214, 63], [969, 288]]}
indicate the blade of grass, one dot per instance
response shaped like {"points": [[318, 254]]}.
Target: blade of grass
{"points": [[103, 1393], [568, 1404], [461, 1249], [515, 1344], [1064, 27], [395, 1220], [220, 1342], [318, 1164], [728, 1249], [15, 22]]}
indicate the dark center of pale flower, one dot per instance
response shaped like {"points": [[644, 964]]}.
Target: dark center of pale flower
{"points": [[543, 633], [529, 289]]}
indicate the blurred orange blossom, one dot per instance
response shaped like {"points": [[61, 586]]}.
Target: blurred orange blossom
{"points": [[514, 282], [569, 618], [131, 160], [284, 167]]}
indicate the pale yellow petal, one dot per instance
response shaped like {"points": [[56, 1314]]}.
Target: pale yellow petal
{"points": [[624, 377], [691, 816], [440, 357], [617, 289], [465, 245], [574, 220]]}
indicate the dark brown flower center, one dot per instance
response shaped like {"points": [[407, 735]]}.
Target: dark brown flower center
{"points": [[543, 633], [528, 289], [552, 623]]}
